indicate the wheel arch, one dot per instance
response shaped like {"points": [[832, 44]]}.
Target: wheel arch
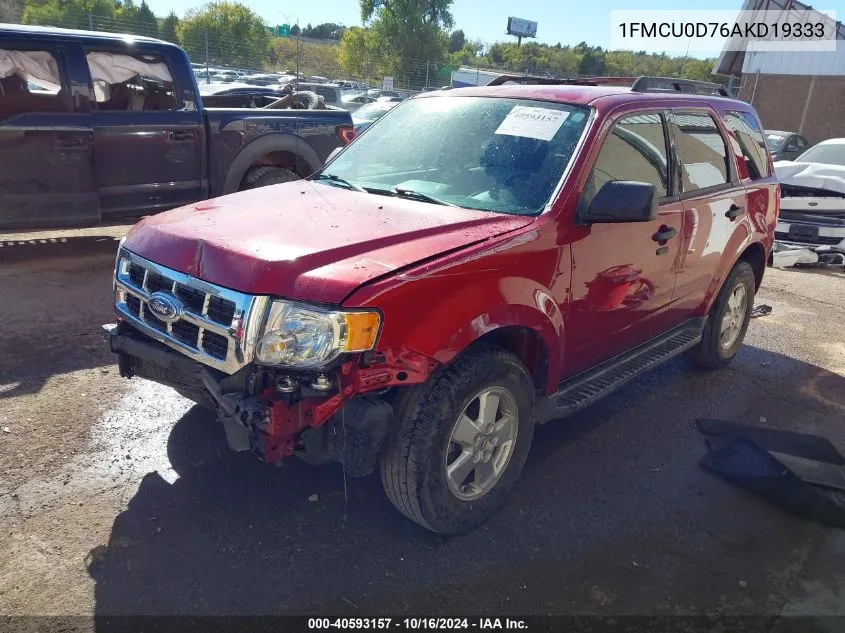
{"points": [[528, 334], [275, 149]]}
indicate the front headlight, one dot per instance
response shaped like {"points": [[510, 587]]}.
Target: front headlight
{"points": [[308, 337]]}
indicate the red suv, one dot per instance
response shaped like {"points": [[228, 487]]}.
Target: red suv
{"points": [[477, 262]]}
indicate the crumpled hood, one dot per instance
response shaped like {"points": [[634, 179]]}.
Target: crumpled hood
{"points": [[811, 175], [306, 240]]}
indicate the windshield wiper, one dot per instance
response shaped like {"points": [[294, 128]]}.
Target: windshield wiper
{"points": [[418, 195], [340, 181]]}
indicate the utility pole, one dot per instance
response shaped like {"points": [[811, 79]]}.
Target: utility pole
{"points": [[90, 22], [207, 71]]}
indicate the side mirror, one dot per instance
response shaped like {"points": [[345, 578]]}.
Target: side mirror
{"points": [[621, 201]]}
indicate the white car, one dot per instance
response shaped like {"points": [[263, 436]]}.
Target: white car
{"points": [[812, 207]]}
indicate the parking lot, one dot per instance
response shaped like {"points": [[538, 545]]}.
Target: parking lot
{"points": [[120, 497]]}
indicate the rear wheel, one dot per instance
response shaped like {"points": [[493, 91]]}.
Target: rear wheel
{"points": [[266, 175], [462, 441], [728, 321]]}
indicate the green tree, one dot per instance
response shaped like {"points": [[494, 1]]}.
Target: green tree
{"points": [[295, 31], [10, 11], [457, 40], [168, 29], [237, 36], [70, 14], [410, 29], [135, 19], [361, 54], [700, 69]]}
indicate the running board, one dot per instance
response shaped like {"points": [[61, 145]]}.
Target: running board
{"points": [[582, 390]]}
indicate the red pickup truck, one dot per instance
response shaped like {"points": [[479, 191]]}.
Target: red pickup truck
{"points": [[477, 262]]}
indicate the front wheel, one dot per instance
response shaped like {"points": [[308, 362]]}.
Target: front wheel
{"points": [[265, 176], [729, 318], [461, 442]]}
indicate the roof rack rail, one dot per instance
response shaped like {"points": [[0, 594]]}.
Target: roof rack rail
{"points": [[673, 84]]}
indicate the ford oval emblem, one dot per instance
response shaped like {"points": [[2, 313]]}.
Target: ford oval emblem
{"points": [[166, 307]]}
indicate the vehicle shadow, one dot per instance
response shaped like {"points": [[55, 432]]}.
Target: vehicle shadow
{"points": [[53, 306], [612, 515]]}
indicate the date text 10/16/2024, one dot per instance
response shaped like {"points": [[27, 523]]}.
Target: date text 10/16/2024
{"points": [[416, 624]]}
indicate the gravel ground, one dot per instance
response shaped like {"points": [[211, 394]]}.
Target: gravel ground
{"points": [[119, 497]]}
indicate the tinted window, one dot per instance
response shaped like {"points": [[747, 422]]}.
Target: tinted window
{"points": [[131, 82], [801, 142], [702, 151], [751, 142], [634, 150], [30, 82]]}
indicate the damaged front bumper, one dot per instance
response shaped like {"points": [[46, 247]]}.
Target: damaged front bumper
{"points": [[809, 239], [274, 415]]}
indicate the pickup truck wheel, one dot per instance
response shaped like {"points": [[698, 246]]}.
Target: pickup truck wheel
{"points": [[729, 318], [267, 175], [462, 440]]}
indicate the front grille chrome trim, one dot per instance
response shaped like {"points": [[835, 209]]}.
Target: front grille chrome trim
{"points": [[240, 333]]}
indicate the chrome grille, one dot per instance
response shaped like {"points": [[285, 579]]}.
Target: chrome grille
{"points": [[215, 326]]}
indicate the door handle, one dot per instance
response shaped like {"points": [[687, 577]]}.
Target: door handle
{"points": [[181, 135], [733, 212], [665, 233]]}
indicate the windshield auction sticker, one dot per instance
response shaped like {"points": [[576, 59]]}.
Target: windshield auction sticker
{"points": [[539, 123]]}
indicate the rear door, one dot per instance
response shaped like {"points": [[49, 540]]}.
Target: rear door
{"points": [[714, 202], [46, 150], [148, 143]]}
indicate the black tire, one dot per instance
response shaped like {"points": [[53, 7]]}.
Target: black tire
{"points": [[264, 176], [710, 354], [413, 467]]}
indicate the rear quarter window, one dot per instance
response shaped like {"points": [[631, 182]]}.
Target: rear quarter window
{"points": [[751, 141]]}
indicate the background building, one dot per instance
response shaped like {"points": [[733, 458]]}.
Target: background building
{"points": [[800, 92]]}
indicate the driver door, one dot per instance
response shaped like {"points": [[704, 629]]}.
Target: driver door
{"points": [[623, 274]]}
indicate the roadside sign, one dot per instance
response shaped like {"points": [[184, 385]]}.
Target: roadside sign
{"points": [[284, 30], [387, 83]]}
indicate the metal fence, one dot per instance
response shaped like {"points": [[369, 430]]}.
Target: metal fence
{"points": [[282, 55]]}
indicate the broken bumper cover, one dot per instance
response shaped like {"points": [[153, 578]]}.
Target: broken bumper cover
{"points": [[319, 427]]}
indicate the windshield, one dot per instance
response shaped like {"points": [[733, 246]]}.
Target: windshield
{"points": [[833, 154], [774, 141], [501, 155]]}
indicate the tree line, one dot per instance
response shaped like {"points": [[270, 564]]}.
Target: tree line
{"points": [[397, 36]]}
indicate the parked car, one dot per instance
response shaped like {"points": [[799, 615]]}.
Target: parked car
{"points": [[785, 145], [120, 130], [329, 92], [352, 101], [479, 262], [368, 114], [813, 198]]}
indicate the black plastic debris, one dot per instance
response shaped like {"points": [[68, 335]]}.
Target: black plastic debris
{"points": [[760, 311], [801, 473]]}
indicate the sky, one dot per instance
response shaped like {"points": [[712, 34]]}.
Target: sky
{"points": [[561, 21]]}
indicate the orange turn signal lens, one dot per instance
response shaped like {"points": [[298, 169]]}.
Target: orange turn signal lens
{"points": [[361, 330]]}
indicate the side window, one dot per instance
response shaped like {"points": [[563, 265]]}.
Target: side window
{"points": [[634, 150], [751, 142], [702, 151], [801, 142], [131, 82], [30, 82]]}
